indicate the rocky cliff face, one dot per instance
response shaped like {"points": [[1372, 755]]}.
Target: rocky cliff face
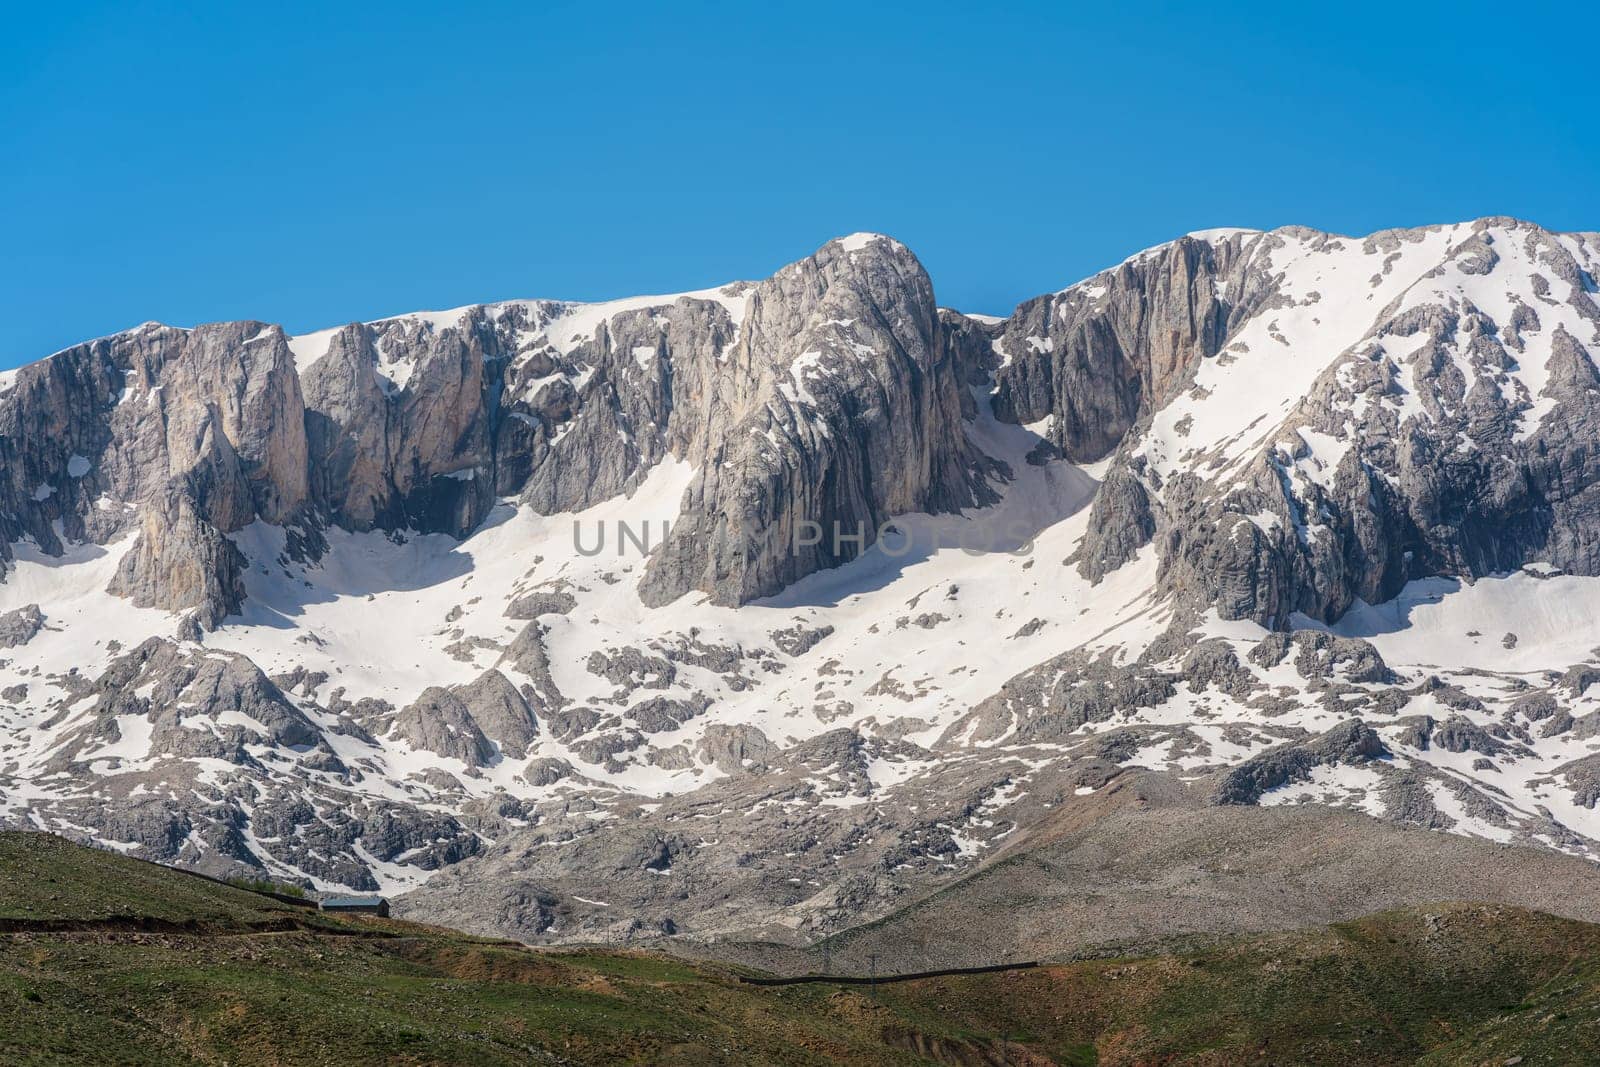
{"points": [[183, 435], [1445, 431], [841, 409], [826, 394], [1276, 517], [1097, 357]]}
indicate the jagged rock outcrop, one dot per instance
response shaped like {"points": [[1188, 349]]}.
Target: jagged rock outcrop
{"points": [[1055, 698], [439, 721], [186, 435], [539, 602], [608, 405], [155, 687], [18, 627], [1420, 448], [1098, 356], [736, 748], [1349, 743], [1318, 655], [180, 561], [500, 711], [347, 429], [227, 400], [842, 410]]}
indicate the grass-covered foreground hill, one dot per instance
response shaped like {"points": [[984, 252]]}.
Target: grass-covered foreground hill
{"points": [[108, 960]]}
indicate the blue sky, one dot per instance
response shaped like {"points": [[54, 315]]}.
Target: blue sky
{"points": [[311, 166]]}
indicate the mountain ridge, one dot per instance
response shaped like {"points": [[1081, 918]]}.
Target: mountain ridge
{"points": [[324, 614]]}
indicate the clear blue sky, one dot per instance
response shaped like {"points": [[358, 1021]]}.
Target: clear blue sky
{"points": [[313, 166]]}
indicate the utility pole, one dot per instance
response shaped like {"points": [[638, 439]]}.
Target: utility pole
{"points": [[873, 959], [827, 956]]}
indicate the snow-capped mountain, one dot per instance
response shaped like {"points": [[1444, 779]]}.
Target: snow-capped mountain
{"points": [[769, 605]]}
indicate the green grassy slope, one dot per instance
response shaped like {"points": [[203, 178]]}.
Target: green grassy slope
{"points": [[1432, 985], [44, 878], [240, 979]]}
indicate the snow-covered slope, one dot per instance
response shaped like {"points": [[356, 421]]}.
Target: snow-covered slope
{"points": [[1290, 517]]}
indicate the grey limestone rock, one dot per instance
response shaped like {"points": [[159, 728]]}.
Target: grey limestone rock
{"points": [[736, 748], [1406, 800], [18, 627], [1457, 489], [1458, 734], [1578, 678], [500, 712], [1055, 698], [1323, 655], [439, 721], [181, 561], [1107, 351], [1214, 663], [527, 655], [631, 668], [657, 714], [1582, 776], [540, 602], [191, 434], [841, 383], [1351, 742], [844, 411], [547, 770], [834, 392], [1536, 707], [797, 640]]}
